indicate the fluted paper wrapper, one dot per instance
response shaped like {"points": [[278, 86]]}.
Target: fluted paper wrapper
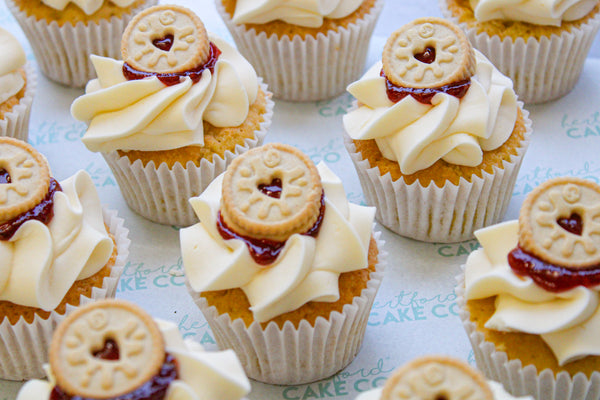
{"points": [[522, 380], [15, 123], [162, 194], [63, 52], [293, 356], [541, 70], [315, 68], [24, 346], [433, 214]]}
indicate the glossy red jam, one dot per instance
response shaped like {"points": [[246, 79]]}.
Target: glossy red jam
{"points": [[43, 212], [155, 389], [552, 277], [171, 79], [427, 56], [164, 43], [272, 189], [424, 95], [265, 251], [4, 176], [110, 351], [571, 224]]}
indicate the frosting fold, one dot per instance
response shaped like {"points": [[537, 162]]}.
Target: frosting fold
{"points": [[13, 58], [87, 6]]}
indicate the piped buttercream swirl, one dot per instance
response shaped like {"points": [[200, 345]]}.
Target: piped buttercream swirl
{"points": [[13, 58], [87, 6]]}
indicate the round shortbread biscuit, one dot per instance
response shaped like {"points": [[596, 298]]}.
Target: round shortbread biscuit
{"points": [[436, 378], [560, 222], [84, 332], [428, 53], [25, 178], [165, 39], [249, 210]]}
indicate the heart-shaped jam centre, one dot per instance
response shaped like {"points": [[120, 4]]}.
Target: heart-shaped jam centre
{"points": [[427, 56], [571, 224], [165, 43], [272, 189], [4, 176], [110, 351]]}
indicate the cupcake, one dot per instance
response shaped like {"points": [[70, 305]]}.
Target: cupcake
{"points": [[541, 46], [173, 115], [63, 33], [113, 349], [308, 51], [529, 296], [293, 266], [435, 377], [59, 249], [437, 136], [17, 87]]}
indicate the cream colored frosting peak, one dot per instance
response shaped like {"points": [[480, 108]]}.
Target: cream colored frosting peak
{"points": [[202, 375], [307, 269], [306, 13], [87, 6], [416, 135], [567, 321], [13, 58], [538, 12], [41, 262], [147, 115]]}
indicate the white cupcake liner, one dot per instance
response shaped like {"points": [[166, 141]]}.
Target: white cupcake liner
{"points": [[24, 346], [433, 214], [15, 123], [315, 68], [522, 380], [63, 53], [162, 194], [291, 356], [541, 70]]}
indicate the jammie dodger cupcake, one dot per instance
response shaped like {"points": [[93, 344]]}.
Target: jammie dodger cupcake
{"points": [[171, 116], [530, 295], [304, 50], [63, 33], [292, 266], [59, 249], [437, 135]]}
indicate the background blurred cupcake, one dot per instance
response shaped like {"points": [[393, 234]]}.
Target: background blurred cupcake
{"points": [[529, 295], [541, 46], [59, 248], [308, 51], [437, 136], [17, 88], [173, 115], [63, 33], [293, 267]]}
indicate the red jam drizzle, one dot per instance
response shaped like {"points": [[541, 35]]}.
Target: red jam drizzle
{"points": [[164, 43], [4, 176], [427, 56], [424, 95], [571, 224], [272, 189], [265, 251], [155, 389], [553, 278], [43, 212], [171, 79], [110, 351]]}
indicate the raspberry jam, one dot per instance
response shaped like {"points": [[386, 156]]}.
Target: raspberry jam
{"points": [[171, 79], [427, 56], [4, 176], [571, 224], [110, 351], [553, 278], [265, 251], [43, 212], [424, 95], [155, 389], [164, 43], [273, 189]]}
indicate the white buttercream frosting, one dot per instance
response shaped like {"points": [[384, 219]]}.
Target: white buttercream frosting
{"points": [[307, 269], [567, 321], [306, 13], [416, 135], [87, 6], [12, 59], [202, 375], [147, 115], [538, 12], [40, 263]]}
